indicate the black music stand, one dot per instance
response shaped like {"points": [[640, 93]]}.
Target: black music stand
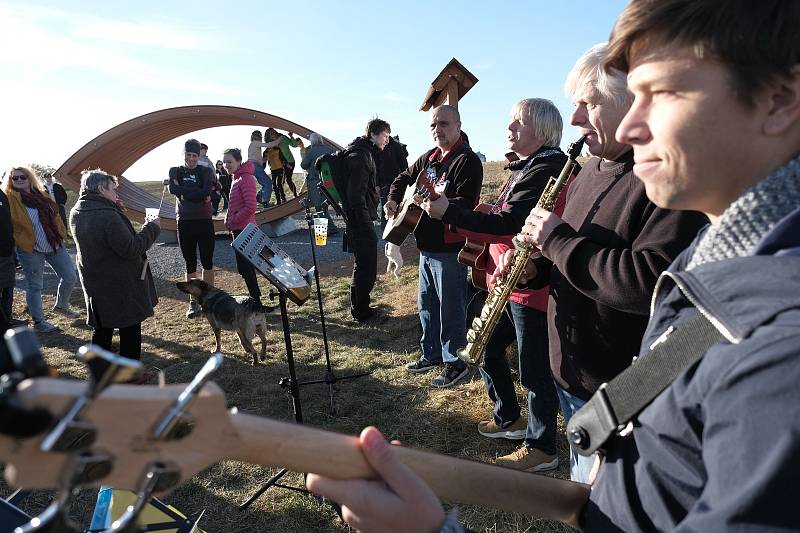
{"points": [[289, 279], [329, 378]]}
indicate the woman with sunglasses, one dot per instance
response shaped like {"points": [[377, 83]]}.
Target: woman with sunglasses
{"points": [[39, 234]]}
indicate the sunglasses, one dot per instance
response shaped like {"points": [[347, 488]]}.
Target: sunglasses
{"points": [[19, 178]]}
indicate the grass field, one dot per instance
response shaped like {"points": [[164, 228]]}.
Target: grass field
{"points": [[399, 403]]}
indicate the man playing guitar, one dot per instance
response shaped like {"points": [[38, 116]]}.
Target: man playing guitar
{"points": [[456, 171]]}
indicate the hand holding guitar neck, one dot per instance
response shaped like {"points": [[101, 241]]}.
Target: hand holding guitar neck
{"points": [[187, 429]]}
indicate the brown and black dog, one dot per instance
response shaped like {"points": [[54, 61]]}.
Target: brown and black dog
{"points": [[241, 314]]}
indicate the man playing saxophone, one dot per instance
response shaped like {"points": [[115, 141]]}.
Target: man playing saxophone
{"points": [[534, 135], [603, 257]]}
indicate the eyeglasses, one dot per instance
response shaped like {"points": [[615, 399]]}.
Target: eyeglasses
{"points": [[19, 178]]}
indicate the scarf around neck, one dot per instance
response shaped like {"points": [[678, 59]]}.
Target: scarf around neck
{"points": [[36, 200], [753, 215]]}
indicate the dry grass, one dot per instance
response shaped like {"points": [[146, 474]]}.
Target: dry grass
{"points": [[399, 403]]}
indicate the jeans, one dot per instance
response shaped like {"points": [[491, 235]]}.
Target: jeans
{"points": [[264, 180], [580, 466], [33, 267], [383, 196], [442, 303], [529, 326]]}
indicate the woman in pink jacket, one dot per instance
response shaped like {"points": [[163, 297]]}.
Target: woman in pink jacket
{"points": [[242, 211]]}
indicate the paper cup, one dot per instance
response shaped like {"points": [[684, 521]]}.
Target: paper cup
{"points": [[321, 231], [150, 214]]}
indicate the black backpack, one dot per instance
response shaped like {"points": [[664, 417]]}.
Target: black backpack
{"points": [[333, 172]]}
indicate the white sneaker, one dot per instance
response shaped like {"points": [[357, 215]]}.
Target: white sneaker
{"points": [[44, 326], [67, 312]]}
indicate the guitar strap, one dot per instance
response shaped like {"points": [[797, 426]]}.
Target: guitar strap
{"points": [[618, 402]]}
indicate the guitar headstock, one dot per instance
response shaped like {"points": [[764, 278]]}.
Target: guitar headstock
{"points": [[124, 417]]}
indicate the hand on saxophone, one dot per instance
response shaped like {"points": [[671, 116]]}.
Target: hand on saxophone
{"points": [[503, 263], [538, 227]]}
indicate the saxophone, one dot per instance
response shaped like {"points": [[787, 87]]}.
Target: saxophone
{"points": [[484, 324]]}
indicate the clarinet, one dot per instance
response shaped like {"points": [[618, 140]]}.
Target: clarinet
{"points": [[483, 325]]}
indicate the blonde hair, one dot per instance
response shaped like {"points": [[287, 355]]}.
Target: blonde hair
{"points": [[33, 179], [543, 115]]}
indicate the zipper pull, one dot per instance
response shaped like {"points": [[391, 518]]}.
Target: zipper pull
{"points": [[661, 338]]}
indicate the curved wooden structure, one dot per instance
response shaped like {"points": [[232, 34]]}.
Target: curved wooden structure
{"points": [[120, 147]]}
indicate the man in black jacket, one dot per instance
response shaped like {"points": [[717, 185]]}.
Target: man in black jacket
{"points": [[360, 200], [454, 170], [534, 135], [392, 161]]}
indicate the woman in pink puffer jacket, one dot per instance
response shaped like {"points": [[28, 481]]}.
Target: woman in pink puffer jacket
{"points": [[242, 211]]}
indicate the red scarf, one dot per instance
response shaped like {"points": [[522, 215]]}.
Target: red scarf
{"points": [[47, 214]]}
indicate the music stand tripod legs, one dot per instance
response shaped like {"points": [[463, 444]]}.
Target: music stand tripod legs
{"points": [[294, 394], [329, 378]]}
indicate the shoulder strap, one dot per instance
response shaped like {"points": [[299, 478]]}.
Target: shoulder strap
{"points": [[617, 402]]}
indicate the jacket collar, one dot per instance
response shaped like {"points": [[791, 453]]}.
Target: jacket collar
{"points": [[731, 292]]}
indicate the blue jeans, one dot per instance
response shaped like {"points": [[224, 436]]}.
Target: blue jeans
{"points": [[33, 268], [263, 179], [529, 327], [580, 466], [442, 293]]}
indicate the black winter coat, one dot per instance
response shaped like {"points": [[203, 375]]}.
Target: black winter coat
{"points": [[361, 195], [111, 257]]}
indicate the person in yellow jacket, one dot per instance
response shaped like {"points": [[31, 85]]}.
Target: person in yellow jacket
{"points": [[39, 234]]}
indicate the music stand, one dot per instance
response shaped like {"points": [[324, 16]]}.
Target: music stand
{"points": [[290, 281], [329, 378]]}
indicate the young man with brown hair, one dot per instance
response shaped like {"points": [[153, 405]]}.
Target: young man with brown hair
{"points": [[360, 201], [715, 126]]}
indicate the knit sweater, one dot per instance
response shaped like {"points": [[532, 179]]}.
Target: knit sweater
{"points": [[603, 262]]}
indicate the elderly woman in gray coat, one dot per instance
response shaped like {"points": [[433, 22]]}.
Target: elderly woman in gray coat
{"points": [[112, 263]]}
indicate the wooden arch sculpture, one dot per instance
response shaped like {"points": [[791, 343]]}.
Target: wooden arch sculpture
{"points": [[120, 147]]}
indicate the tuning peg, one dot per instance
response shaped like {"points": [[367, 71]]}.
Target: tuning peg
{"points": [[26, 354], [159, 477], [166, 428], [106, 368], [82, 468], [27, 360]]}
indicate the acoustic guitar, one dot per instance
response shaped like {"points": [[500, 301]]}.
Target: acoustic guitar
{"points": [[475, 253], [126, 418], [408, 214]]}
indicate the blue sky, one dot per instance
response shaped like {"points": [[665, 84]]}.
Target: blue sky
{"points": [[70, 70]]}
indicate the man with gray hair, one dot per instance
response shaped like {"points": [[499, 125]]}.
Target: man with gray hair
{"points": [[603, 257], [534, 135]]}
